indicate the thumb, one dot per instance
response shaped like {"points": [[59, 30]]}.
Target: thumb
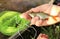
{"points": [[26, 16]]}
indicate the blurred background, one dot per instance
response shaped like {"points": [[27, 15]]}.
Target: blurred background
{"points": [[20, 5], [23, 6]]}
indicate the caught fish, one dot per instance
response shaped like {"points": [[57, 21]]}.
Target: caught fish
{"points": [[41, 15]]}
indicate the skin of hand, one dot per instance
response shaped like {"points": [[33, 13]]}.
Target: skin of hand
{"points": [[46, 8], [42, 36]]}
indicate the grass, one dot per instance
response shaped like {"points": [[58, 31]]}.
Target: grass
{"points": [[52, 31]]}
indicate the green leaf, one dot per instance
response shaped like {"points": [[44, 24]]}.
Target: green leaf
{"points": [[9, 21]]}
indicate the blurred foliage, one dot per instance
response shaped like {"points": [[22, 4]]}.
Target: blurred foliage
{"points": [[53, 31]]}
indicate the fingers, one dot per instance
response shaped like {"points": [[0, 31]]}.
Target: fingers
{"points": [[44, 22], [38, 21], [26, 16], [51, 10], [41, 22], [42, 36], [34, 20]]}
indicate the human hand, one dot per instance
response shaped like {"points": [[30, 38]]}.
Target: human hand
{"points": [[42, 36], [52, 10]]}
